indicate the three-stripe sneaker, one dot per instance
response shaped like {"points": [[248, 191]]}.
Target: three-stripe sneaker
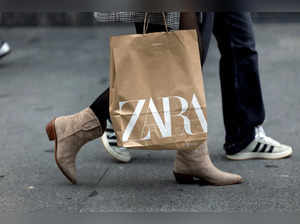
{"points": [[4, 49], [263, 147], [109, 140]]}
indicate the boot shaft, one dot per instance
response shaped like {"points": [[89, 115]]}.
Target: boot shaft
{"points": [[191, 159], [84, 125]]}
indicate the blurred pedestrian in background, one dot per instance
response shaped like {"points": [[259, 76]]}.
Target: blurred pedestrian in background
{"points": [[4, 49]]}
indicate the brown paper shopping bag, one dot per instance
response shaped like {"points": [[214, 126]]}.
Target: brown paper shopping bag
{"points": [[157, 98]]}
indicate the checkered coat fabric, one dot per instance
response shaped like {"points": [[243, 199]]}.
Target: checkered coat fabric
{"points": [[131, 17]]}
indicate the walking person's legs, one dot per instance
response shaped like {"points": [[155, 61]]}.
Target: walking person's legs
{"points": [[243, 107], [71, 132], [197, 163]]}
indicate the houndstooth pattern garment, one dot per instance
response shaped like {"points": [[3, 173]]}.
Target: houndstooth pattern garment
{"points": [[131, 17]]}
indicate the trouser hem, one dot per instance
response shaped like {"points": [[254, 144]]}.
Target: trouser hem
{"points": [[236, 147]]}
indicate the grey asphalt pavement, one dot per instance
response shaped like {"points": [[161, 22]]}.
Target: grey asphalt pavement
{"points": [[57, 71]]}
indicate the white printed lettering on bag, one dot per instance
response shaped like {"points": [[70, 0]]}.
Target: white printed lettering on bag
{"points": [[165, 127]]}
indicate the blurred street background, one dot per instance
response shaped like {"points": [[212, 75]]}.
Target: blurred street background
{"points": [[56, 70]]}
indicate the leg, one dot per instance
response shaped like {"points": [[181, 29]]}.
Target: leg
{"points": [[243, 106], [205, 23], [197, 163], [101, 107]]}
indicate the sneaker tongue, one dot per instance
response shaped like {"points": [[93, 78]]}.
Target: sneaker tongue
{"points": [[260, 133]]}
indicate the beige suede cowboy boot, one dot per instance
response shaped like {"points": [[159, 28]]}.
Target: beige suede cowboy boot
{"points": [[70, 133], [196, 163]]}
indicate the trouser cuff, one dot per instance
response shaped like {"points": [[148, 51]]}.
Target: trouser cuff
{"points": [[237, 146]]}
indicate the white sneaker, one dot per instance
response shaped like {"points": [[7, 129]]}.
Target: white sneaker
{"points": [[109, 140], [263, 147], [4, 49]]}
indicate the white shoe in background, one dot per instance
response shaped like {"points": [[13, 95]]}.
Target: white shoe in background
{"points": [[4, 49]]}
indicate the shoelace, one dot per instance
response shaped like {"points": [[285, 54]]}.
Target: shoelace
{"points": [[260, 134]]}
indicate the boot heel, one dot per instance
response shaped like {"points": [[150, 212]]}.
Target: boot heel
{"points": [[50, 130], [183, 178]]}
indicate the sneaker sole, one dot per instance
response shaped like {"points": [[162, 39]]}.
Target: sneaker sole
{"points": [[110, 150], [259, 155]]}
